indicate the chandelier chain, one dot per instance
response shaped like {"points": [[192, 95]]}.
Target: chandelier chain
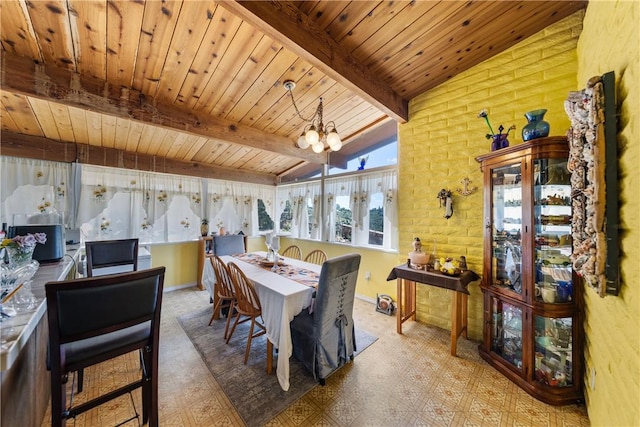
{"points": [[298, 111]]}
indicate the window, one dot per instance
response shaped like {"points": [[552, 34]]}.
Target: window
{"points": [[265, 223], [382, 154], [376, 220], [344, 218], [286, 218]]}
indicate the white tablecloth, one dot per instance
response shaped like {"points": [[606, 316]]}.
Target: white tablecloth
{"points": [[281, 299]]}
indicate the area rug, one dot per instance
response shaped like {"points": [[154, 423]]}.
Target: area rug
{"points": [[257, 396]]}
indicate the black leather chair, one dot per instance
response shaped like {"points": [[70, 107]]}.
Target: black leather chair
{"points": [[325, 339], [108, 253], [228, 244], [95, 319], [111, 253]]}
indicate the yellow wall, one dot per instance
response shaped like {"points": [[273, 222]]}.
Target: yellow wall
{"points": [[180, 260], [438, 146], [610, 41]]}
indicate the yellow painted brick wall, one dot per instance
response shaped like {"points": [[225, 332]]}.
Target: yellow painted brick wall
{"points": [[438, 146], [611, 42]]}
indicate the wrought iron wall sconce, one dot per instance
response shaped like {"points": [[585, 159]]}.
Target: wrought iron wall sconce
{"points": [[446, 201]]}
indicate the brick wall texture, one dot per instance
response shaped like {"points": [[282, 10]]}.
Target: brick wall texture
{"points": [[610, 41], [438, 146]]}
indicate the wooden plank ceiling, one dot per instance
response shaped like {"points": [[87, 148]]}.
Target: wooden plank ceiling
{"points": [[196, 87]]}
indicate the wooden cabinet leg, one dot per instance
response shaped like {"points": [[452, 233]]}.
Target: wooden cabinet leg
{"points": [[401, 307]]}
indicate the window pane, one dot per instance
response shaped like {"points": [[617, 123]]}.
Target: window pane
{"points": [[376, 220], [383, 155], [265, 223], [286, 218], [344, 220]]}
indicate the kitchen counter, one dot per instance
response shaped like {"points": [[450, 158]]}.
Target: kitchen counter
{"points": [[23, 350]]}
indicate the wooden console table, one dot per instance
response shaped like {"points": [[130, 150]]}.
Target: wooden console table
{"points": [[408, 277]]}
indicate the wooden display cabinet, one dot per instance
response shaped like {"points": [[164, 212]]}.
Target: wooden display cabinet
{"points": [[532, 299]]}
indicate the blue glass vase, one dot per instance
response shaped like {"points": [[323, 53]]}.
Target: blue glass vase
{"points": [[537, 127]]}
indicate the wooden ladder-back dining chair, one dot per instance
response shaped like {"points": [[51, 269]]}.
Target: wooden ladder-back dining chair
{"points": [[247, 305], [95, 319], [325, 339], [292, 251], [225, 292], [102, 254], [316, 256]]}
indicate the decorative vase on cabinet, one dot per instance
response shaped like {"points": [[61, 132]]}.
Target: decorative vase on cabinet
{"points": [[532, 298], [536, 126]]}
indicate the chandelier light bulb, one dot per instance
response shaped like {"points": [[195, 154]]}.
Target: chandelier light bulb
{"points": [[333, 139], [302, 141], [312, 136], [317, 147]]}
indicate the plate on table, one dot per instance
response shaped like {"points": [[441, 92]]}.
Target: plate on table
{"points": [[269, 263]]}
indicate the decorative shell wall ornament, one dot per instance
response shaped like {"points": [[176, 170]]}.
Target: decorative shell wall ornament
{"points": [[586, 158]]}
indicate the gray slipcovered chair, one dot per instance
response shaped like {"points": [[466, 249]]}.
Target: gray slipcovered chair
{"points": [[95, 319], [325, 339], [228, 244]]}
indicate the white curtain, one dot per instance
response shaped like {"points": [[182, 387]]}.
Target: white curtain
{"points": [[344, 188], [234, 205], [122, 203], [302, 197], [36, 188], [366, 191]]}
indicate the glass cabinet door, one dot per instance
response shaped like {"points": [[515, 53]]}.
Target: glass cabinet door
{"points": [[553, 351], [552, 225], [506, 225], [506, 331]]}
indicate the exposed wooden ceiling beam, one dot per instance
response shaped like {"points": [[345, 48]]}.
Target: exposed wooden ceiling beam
{"points": [[21, 75], [36, 147], [284, 22]]}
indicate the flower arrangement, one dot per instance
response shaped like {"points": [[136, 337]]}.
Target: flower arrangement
{"points": [[24, 242], [20, 248], [484, 115]]}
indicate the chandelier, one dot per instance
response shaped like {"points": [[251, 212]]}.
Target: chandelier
{"points": [[315, 133]]}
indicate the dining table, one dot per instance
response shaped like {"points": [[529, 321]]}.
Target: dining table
{"points": [[284, 293]]}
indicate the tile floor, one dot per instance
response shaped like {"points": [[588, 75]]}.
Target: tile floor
{"points": [[401, 380]]}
